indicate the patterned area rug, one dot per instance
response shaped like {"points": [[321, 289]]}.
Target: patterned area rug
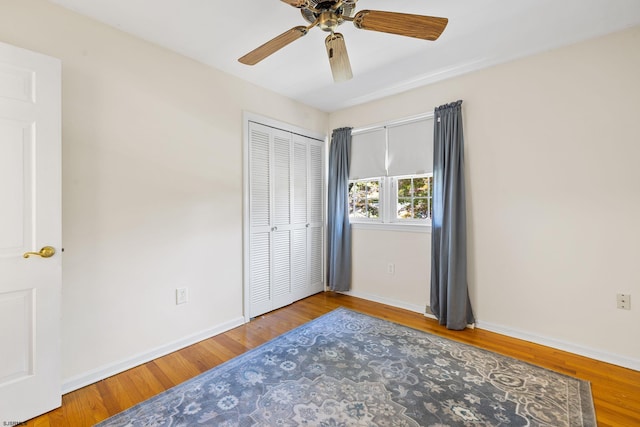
{"points": [[349, 369]]}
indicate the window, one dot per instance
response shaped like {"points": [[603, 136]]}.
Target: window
{"points": [[364, 199], [409, 199], [391, 179], [414, 198]]}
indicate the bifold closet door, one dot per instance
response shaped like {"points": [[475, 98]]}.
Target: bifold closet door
{"points": [[260, 220], [308, 217], [269, 240], [286, 218], [299, 261], [281, 224], [315, 252]]}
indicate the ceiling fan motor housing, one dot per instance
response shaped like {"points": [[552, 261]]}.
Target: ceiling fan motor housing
{"points": [[327, 13], [328, 21]]}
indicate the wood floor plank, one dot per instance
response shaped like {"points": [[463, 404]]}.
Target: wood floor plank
{"points": [[616, 390], [200, 357], [160, 376], [176, 367], [144, 382], [111, 396], [84, 409], [231, 347]]}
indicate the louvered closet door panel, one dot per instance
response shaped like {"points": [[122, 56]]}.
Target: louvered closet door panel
{"points": [[299, 276], [316, 215], [316, 275], [282, 178], [260, 300], [281, 234], [281, 269], [299, 181], [316, 178], [260, 183], [299, 273], [259, 175]]}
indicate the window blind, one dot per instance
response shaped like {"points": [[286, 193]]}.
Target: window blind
{"points": [[393, 150], [410, 150], [368, 154]]}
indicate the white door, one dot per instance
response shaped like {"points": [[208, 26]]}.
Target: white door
{"points": [[281, 225], [30, 219], [307, 254], [300, 223], [270, 217], [260, 194], [315, 249]]}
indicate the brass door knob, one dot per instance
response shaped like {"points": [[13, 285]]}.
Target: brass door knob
{"points": [[46, 252]]}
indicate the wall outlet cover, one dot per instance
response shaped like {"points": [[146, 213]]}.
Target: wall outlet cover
{"points": [[623, 301], [182, 296]]}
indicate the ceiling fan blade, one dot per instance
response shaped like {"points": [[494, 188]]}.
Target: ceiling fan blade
{"points": [[403, 24], [338, 57], [273, 45], [297, 3]]}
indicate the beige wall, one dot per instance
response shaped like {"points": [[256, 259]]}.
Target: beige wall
{"points": [[152, 187], [552, 152], [374, 250]]}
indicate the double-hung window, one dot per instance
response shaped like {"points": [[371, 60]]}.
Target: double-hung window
{"points": [[391, 173]]}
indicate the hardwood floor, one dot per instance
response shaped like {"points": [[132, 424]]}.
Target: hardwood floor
{"points": [[616, 390]]}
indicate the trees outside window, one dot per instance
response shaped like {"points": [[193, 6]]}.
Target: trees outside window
{"points": [[392, 199], [364, 199], [414, 197]]}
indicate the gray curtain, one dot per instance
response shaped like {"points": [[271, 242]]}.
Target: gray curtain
{"points": [[449, 291], [338, 228]]}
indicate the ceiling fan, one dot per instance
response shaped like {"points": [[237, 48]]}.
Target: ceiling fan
{"points": [[329, 14]]}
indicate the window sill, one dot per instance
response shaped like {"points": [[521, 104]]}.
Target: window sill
{"points": [[392, 226]]}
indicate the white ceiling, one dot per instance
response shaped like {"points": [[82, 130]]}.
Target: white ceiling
{"points": [[480, 33]]}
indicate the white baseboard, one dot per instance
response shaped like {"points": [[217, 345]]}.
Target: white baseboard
{"points": [[388, 301], [603, 356], [111, 369], [430, 316]]}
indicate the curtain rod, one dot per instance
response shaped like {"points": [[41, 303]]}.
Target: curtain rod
{"points": [[396, 122]]}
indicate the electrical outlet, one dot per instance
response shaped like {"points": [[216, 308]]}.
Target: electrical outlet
{"points": [[182, 296], [624, 301], [391, 268]]}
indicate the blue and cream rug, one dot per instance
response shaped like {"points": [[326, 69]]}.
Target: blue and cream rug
{"points": [[348, 369]]}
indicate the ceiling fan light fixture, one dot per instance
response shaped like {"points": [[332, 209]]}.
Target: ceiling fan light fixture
{"points": [[329, 21]]}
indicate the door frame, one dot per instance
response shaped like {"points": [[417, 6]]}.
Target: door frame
{"points": [[248, 117]]}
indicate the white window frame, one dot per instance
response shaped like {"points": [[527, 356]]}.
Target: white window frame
{"points": [[388, 219], [393, 205], [381, 204]]}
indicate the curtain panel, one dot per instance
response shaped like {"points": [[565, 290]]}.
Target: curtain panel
{"points": [[338, 227], [449, 290]]}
